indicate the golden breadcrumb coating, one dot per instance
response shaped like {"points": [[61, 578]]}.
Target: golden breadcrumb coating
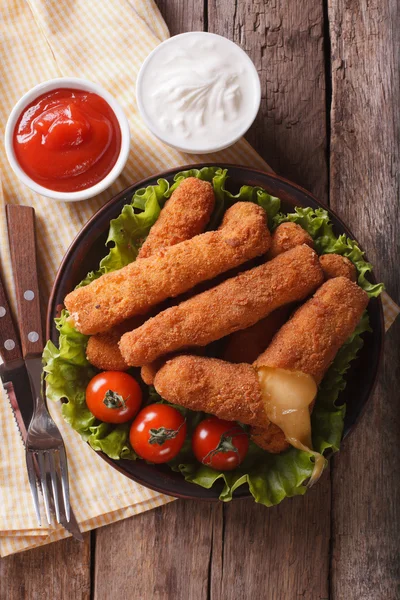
{"points": [[102, 350], [309, 341], [222, 389], [235, 304], [134, 289], [271, 438], [335, 265], [286, 236], [246, 344], [184, 215], [214, 386]]}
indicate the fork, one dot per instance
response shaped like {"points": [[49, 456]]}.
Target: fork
{"points": [[45, 450]]}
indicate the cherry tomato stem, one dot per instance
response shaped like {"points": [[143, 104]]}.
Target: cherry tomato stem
{"points": [[113, 397], [219, 444], [158, 432]]}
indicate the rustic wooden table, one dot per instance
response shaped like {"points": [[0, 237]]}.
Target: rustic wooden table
{"points": [[329, 121]]}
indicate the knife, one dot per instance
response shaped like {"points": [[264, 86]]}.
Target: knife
{"points": [[13, 371]]}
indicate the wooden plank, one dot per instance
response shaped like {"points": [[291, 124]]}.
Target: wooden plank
{"points": [[285, 41], [57, 571], [277, 553], [281, 552], [365, 162], [163, 554], [182, 15]]}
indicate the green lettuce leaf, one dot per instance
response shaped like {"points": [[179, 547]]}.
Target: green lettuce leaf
{"points": [[67, 375], [270, 478]]}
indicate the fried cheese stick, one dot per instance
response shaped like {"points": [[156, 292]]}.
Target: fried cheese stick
{"points": [[234, 304], [185, 214], [310, 340], [286, 236], [149, 371], [229, 391], [335, 265], [307, 343], [102, 350], [132, 290], [246, 344]]}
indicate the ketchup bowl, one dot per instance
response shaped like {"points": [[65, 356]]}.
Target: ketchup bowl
{"points": [[67, 139]]}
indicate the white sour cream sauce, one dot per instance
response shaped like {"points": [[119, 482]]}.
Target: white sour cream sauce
{"points": [[198, 92]]}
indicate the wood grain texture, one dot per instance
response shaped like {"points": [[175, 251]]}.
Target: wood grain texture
{"points": [[285, 41], [182, 15], [8, 330], [277, 553], [163, 554], [55, 572], [365, 163]]}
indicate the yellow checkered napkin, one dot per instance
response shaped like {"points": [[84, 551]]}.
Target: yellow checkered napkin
{"points": [[105, 42]]}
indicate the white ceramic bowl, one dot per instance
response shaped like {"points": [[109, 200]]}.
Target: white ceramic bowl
{"points": [[148, 77], [76, 84]]}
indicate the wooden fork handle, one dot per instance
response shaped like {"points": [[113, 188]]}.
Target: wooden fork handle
{"points": [[22, 238], [9, 339]]}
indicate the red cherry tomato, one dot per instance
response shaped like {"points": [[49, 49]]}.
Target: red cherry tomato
{"points": [[113, 396], [220, 444], [158, 432]]}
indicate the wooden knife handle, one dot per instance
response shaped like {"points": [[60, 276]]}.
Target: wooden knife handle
{"points": [[9, 339], [22, 238]]}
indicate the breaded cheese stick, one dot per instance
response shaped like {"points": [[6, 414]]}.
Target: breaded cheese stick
{"points": [[148, 372], [102, 350], [184, 215], [308, 344], [286, 236], [228, 391], [214, 386], [270, 438], [246, 344], [309, 341], [132, 290], [234, 304], [335, 265]]}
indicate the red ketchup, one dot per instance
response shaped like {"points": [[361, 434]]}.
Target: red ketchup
{"points": [[67, 140]]}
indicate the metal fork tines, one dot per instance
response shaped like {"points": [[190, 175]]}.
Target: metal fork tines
{"points": [[41, 466], [46, 458]]}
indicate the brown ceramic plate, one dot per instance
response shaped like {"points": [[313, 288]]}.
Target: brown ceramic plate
{"points": [[88, 248]]}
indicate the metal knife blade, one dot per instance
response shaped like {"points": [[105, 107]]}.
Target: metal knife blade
{"points": [[9, 390], [15, 375]]}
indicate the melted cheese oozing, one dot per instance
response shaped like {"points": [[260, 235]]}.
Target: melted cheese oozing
{"points": [[287, 396]]}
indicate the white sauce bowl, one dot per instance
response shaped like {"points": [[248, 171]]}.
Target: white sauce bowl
{"points": [[76, 84], [198, 92]]}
